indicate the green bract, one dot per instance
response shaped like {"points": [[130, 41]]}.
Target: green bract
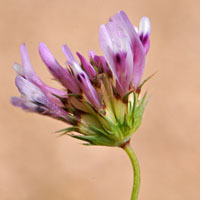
{"points": [[111, 126]]}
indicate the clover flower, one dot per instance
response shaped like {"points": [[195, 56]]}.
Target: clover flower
{"points": [[100, 97]]}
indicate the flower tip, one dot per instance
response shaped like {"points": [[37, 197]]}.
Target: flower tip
{"points": [[23, 49], [18, 80], [82, 59], [18, 68], [79, 55], [91, 54], [14, 101], [67, 52], [145, 25], [42, 45], [23, 45], [70, 58], [43, 48], [46, 55], [122, 12]]}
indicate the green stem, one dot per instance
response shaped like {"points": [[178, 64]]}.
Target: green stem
{"points": [[136, 170]]}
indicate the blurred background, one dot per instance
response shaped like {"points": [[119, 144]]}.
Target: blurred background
{"points": [[35, 164]]}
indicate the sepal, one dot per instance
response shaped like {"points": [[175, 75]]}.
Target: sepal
{"points": [[138, 113]]}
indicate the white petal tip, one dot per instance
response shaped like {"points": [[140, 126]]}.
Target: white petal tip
{"points": [[19, 69], [145, 25]]}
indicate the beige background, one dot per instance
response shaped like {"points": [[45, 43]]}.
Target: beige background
{"points": [[35, 165]]}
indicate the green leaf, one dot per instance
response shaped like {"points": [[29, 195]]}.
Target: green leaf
{"points": [[139, 113], [98, 131], [95, 140], [67, 130], [140, 86]]}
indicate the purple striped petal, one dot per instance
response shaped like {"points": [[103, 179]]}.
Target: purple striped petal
{"points": [[144, 33], [70, 58], [98, 61], [119, 36], [30, 75], [57, 71], [87, 67], [101, 63], [25, 104], [56, 92], [136, 45], [89, 90], [82, 78], [91, 55], [28, 89], [116, 48], [28, 69], [31, 93], [107, 48]]}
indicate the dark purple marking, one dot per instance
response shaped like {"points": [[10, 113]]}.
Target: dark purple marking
{"points": [[40, 109], [80, 77], [118, 59], [144, 38]]}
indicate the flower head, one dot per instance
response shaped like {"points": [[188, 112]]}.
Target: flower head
{"points": [[101, 96]]}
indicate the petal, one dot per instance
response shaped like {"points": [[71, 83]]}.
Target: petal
{"points": [[107, 48], [102, 64], [28, 89], [82, 78], [144, 33], [57, 71], [34, 95], [87, 67], [24, 104], [91, 55], [57, 92], [98, 61], [136, 46], [118, 54], [89, 90], [31, 76], [27, 67], [19, 69], [70, 58]]}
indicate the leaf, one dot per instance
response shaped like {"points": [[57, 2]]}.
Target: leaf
{"points": [[139, 113], [140, 86], [67, 130], [95, 140]]}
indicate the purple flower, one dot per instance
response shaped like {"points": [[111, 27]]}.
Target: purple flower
{"points": [[36, 96], [61, 74], [125, 49], [100, 97], [82, 77]]}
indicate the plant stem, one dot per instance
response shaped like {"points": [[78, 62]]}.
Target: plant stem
{"points": [[136, 170]]}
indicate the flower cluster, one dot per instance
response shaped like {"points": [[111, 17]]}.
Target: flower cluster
{"points": [[100, 98]]}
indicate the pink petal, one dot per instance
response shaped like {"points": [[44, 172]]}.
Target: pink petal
{"points": [[144, 33], [57, 71], [34, 95], [87, 67], [24, 104], [89, 90], [70, 58]]}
